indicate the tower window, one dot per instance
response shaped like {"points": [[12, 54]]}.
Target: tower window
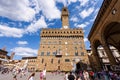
{"points": [[82, 54], [54, 53], [59, 61], [42, 60], [48, 53], [65, 10], [42, 53], [76, 53], [52, 61], [67, 60]]}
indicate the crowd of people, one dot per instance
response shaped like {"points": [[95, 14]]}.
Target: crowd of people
{"points": [[4, 70], [79, 75], [82, 75], [90, 75]]}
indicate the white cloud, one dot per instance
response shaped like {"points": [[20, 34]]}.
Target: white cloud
{"points": [[83, 2], [24, 51], [22, 42], [17, 10], [85, 39], [87, 12], [83, 25], [66, 2], [34, 27], [49, 9], [74, 19], [8, 31], [11, 31], [71, 1]]}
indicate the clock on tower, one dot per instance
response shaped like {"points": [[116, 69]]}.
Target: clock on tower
{"points": [[65, 27]]}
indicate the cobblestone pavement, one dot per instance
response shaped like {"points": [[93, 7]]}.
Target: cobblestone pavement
{"points": [[49, 76]]}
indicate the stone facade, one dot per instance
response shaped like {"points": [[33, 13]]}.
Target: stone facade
{"points": [[103, 57], [3, 56], [105, 31], [28, 62], [60, 47]]}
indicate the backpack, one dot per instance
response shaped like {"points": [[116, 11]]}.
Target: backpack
{"points": [[91, 73]]}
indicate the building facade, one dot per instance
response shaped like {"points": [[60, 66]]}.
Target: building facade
{"points": [[105, 31], [104, 60], [3, 55], [60, 48], [28, 63]]}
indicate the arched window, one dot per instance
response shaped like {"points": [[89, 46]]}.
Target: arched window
{"points": [[52, 61]]}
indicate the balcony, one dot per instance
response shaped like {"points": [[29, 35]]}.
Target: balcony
{"points": [[58, 55]]}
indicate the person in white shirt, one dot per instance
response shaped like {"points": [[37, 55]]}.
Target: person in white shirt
{"points": [[66, 76], [31, 77], [44, 73], [86, 75]]}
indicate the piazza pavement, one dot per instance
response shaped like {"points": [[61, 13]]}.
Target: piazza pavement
{"points": [[49, 76]]}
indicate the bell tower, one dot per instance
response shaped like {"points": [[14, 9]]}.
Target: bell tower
{"points": [[65, 18]]}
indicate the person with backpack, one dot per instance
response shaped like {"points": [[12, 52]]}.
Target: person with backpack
{"points": [[71, 76], [91, 75]]}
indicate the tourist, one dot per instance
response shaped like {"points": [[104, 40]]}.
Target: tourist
{"points": [[81, 75], [66, 76], [78, 78], [71, 77], [44, 73], [86, 75], [91, 75], [31, 77], [41, 75], [14, 77]]}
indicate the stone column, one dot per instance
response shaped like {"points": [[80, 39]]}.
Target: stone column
{"points": [[96, 56], [109, 53]]}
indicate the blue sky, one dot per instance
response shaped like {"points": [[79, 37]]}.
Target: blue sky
{"points": [[22, 20]]}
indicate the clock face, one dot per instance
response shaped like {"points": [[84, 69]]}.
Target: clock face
{"points": [[65, 27]]}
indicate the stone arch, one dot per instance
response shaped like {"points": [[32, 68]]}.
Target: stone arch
{"points": [[111, 34], [97, 62], [96, 43], [80, 66]]}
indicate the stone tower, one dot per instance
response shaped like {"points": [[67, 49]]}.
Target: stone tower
{"points": [[65, 18], [62, 49]]}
